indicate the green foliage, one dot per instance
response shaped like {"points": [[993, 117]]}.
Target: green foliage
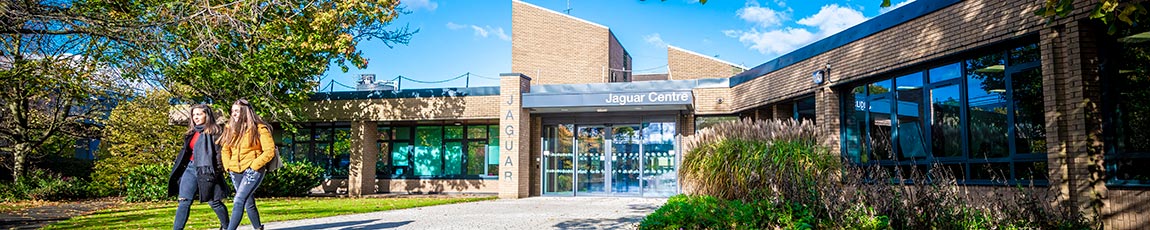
{"points": [[137, 133], [708, 212], [274, 62], [147, 183], [293, 179], [1109, 12], [47, 186]]}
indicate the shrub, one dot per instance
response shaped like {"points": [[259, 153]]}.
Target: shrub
{"points": [[43, 185], [293, 179], [708, 212], [147, 183]]}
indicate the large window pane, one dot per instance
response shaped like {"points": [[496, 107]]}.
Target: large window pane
{"points": [[855, 125], [382, 158], [880, 87], [945, 72], [477, 132], [428, 153], [805, 109], [453, 158], [401, 158], [1127, 106], [453, 132], [493, 150], [1024, 54], [946, 132], [476, 158], [880, 128], [341, 151], [1029, 115], [911, 137], [986, 96], [402, 133]]}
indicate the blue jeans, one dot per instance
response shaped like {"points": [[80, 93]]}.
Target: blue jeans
{"points": [[187, 192], [246, 184]]}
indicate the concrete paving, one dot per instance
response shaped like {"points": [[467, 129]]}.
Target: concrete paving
{"points": [[527, 213]]}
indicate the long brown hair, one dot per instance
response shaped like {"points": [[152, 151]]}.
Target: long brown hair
{"points": [[246, 124], [210, 126]]}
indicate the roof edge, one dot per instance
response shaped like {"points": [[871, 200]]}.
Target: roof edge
{"points": [[556, 12], [708, 57]]}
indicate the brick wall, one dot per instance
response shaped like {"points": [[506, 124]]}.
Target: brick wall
{"points": [[404, 109], [684, 64], [555, 48], [425, 186], [707, 101], [620, 61]]}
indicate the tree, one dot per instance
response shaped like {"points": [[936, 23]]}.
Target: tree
{"points": [[54, 83], [138, 132], [65, 63], [270, 52]]}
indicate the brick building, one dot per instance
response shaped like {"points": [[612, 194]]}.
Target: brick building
{"points": [[981, 87]]}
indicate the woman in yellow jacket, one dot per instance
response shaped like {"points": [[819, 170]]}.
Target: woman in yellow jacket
{"points": [[247, 146]]}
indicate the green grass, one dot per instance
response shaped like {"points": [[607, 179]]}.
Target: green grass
{"points": [[159, 215]]}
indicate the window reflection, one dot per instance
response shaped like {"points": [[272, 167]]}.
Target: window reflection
{"points": [[946, 132], [982, 119], [911, 137], [986, 98]]}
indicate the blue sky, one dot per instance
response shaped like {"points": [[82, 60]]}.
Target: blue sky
{"points": [[465, 36]]}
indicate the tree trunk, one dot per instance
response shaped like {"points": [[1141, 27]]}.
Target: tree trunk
{"points": [[19, 157]]}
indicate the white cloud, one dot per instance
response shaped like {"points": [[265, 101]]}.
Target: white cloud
{"points": [[829, 20], [833, 18], [498, 31], [761, 16], [655, 40], [484, 31], [896, 6], [424, 4], [453, 26]]}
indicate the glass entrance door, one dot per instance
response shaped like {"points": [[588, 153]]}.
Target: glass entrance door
{"points": [[625, 159], [610, 160], [591, 165]]}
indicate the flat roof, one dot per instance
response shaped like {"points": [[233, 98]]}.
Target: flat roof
{"points": [[407, 93]]}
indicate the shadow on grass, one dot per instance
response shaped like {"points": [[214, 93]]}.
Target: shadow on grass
{"points": [[351, 225], [616, 223]]}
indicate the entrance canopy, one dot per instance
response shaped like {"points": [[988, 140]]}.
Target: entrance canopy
{"points": [[616, 97]]}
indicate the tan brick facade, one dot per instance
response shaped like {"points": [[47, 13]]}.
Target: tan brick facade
{"points": [[683, 64], [404, 109], [555, 48]]}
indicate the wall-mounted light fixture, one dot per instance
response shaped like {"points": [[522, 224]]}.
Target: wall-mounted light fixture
{"points": [[820, 76], [719, 101]]}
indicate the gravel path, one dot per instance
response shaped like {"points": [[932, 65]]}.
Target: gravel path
{"points": [[527, 213]]}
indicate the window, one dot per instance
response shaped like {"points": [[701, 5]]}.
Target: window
{"points": [[981, 118], [1125, 70], [454, 151], [325, 144]]}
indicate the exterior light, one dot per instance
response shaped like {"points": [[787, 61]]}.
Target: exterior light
{"points": [[719, 101], [601, 110]]}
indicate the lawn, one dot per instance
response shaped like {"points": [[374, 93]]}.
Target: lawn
{"points": [[159, 215]]}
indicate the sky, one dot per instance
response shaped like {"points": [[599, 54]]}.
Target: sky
{"points": [[458, 37]]}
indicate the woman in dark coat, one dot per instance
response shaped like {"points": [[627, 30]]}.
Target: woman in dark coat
{"points": [[197, 168]]}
